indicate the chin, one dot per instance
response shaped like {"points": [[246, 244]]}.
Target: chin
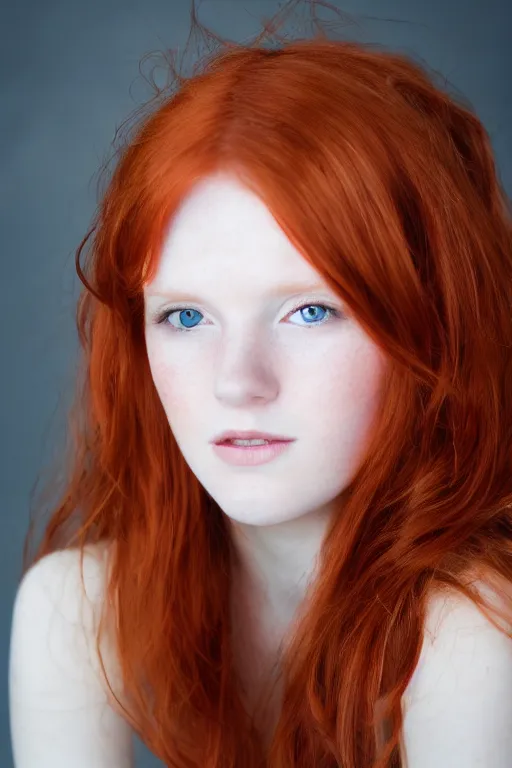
{"points": [[262, 514], [258, 519]]}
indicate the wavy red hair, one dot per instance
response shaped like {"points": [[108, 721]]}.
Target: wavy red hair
{"points": [[388, 186]]}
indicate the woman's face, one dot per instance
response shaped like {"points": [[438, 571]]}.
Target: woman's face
{"points": [[259, 351]]}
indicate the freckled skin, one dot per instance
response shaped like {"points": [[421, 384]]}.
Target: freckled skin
{"points": [[251, 364]]}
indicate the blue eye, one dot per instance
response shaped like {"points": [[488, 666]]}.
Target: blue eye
{"points": [[188, 315], [311, 316]]}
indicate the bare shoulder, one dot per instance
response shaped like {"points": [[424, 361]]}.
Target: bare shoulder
{"points": [[59, 705], [62, 597], [458, 704], [58, 578]]}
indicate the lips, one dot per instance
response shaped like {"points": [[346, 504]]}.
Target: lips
{"points": [[229, 435]]}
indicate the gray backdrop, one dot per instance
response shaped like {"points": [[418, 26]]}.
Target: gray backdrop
{"points": [[69, 76]]}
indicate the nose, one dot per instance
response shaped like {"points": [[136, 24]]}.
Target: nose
{"points": [[246, 373]]}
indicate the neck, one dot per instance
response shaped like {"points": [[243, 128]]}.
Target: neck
{"points": [[276, 563]]}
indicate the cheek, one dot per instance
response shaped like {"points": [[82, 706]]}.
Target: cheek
{"points": [[173, 381], [337, 393], [166, 382], [349, 395]]}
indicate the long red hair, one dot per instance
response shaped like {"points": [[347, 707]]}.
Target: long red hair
{"points": [[387, 185]]}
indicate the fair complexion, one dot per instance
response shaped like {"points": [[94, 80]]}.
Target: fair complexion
{"points": [[266, 345], [251, 364]]}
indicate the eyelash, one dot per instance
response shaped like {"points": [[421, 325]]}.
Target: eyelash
{"points": [[333, 313]]}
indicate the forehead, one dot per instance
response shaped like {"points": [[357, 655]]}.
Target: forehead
{"points": [[223, 232]]}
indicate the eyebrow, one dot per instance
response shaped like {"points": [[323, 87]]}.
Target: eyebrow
{"points": [[276, 292]]}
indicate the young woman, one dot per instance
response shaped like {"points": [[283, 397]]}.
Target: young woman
{"points": [[306, 248]]}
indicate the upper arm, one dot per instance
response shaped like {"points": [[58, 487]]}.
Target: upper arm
{"points": [[59, 711], [458, 705]]}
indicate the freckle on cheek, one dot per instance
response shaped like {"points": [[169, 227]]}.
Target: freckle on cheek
{"points": [[167, 391], [165, 381]]}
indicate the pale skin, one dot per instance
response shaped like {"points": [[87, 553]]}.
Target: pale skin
{"points": [[256, 361], [253, 359]]}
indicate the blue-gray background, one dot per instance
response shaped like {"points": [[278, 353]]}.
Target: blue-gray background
{"points": [[69, 76]]}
